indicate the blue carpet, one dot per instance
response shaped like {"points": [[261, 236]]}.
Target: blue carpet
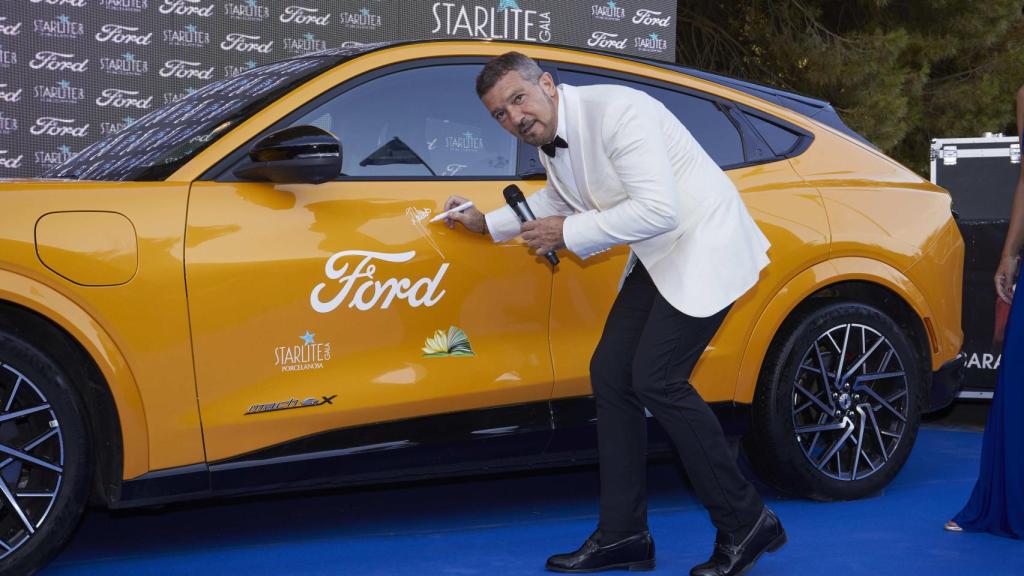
{"points": [[509, 525]]}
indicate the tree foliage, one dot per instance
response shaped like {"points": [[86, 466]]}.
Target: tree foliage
{"points": [[898, 72]]}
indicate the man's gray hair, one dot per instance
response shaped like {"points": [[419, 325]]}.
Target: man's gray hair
{"points": [[496, 69]]}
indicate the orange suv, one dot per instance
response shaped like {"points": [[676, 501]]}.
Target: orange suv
{"points": [[242, 291]]}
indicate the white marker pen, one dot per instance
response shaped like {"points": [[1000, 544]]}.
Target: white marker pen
{"points": [[458, 208]]}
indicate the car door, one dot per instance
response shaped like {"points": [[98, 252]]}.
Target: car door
{"points": [[336, 330]]}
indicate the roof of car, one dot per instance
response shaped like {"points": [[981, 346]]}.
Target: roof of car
{"points": [[810, 107]]}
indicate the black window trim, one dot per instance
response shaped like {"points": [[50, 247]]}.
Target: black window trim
{"points": [[222, 170], [746, 130]]}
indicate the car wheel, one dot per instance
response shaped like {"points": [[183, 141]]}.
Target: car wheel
{"points": [[838, 404], [44, 465]]}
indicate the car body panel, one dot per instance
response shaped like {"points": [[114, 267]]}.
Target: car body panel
{"points": [[253, 253]]}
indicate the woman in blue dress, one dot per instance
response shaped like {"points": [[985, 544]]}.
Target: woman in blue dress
{"points": [[997, 503]]}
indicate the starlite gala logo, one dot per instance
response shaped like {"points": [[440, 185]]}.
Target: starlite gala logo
{"points": [[190, 36], [126, 64], [609, 11], [51, 158], [8, 58], [60, 27], [119, 34], [8, 125], [58, 62], [304, 15], [115, 127], [506, 21], [63, 92], [249, 11], [186, 8], [8, 28], [232, 70], [125, 5], [361, 20], [308, 43], [650, 43]]}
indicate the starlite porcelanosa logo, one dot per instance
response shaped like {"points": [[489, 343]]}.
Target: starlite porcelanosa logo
{"points": [[363, 19], [63, 92], [119, 34], [236, 42], [125, 5], [304, 15], [46, 159], [249, 11], [115, 127], [650, 43], [60, 27], [185, 69], [649, 17], [232, 70], [601, 39], [506, 21], [8, 28], [187, 8], [9, 94], [58, 62], [119, 98], [310, 355], [304, 45], [126, 64], [51, 126], [8, 125], [190, 36], [610, 11], [10, 162]]}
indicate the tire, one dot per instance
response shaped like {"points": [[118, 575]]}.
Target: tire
{"points": [[836, 440], [42, 417]]}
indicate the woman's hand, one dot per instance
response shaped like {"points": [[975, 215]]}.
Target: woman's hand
{"points": [[1005, 275]]}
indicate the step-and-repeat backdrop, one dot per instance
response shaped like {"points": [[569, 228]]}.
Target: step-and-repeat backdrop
{"points": [[73, 71]]}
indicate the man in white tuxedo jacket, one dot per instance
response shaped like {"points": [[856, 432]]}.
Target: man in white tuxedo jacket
{"points": [[622, 169]]}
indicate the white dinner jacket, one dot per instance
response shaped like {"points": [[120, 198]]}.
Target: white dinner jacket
{"points": [[645, 181]]}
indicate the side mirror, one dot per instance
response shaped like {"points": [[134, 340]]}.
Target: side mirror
{"points": [[297, 155]]}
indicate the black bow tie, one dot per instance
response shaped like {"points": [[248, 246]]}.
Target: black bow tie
{"points": [[549, 148]]}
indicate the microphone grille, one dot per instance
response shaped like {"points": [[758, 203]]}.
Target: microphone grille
{"points": [[513, 194]]}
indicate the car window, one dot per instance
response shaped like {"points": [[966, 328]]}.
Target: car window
{"points": [[779, 139], [706, 122], [420, 122]]}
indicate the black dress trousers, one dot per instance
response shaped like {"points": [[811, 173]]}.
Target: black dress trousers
{"points": [[644, 359]]}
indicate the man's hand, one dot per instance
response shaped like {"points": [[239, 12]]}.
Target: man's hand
{"points": [[471, 218], [544, 235]]}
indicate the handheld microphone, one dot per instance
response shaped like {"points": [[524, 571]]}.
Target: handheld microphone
{"points": [[515, 199]]}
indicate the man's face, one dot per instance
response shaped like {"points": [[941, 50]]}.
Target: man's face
{"points": [[528, 111]]}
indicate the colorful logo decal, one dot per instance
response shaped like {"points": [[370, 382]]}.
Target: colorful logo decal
{"points": [[370, 292], [310, 355], [441, 345]]}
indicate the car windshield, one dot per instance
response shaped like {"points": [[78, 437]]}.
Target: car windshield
{"points": [[160, 142]]}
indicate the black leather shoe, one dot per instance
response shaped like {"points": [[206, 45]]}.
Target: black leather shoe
{"points": [[732, 558], [633, 553]]}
